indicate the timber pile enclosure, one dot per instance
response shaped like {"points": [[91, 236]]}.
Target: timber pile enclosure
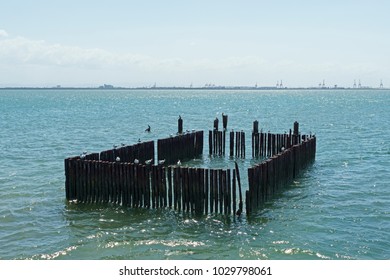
{"points": [[130, 176]]}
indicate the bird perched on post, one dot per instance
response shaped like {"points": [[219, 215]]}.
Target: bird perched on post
{"points": [[83, 155], [148, 129]]}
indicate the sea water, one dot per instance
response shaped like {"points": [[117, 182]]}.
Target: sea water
{"points": [[338, 208]]}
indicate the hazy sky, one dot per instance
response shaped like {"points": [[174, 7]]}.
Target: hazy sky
{"points": [[139, 43]]}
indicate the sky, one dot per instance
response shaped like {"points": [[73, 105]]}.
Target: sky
{"points": [[179, 43]]}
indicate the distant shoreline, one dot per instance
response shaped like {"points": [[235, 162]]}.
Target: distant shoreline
{"points": [[191, 88]]}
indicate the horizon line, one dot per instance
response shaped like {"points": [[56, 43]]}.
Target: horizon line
{"points": [[111, 87]]}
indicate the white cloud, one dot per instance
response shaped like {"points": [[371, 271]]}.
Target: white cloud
{"points": [[3, 33], [24, 51], [37, 61]]}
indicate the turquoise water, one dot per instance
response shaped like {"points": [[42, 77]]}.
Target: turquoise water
{"points": [[339, 208]]}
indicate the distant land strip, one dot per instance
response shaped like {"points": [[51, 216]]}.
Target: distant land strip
{"points": [[194, 88]]}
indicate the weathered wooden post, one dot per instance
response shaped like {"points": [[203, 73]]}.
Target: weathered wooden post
{"points": [[255, 139], [210, 142], [180, 125], [216, 121], [225, 122], [234, 192], [206, 191], [296, 133], [239, 211], [231, 143], [242, 144], [256, 126]]}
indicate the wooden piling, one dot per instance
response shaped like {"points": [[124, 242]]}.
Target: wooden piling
{"points": [[229, 192], [175, 187], [201, 196], [164, 187], [216, 187], [125, 194], [252, 186], [224, 191], [180, 189], [101, 178], [243, 144], [186, 199], [216, 121], [84, 181], [234, 192], [220, 190], [248, 202], [240, 205], [231, 153], [206, 190], [169, 173], [67, 178], [211, 191], [237, 144], [180, 125]]}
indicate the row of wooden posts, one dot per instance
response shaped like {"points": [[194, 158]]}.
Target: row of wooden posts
{"points": [[263, 144], [128, 176], [141, 152], [270, 176], [195, 190], [269, 144], [217, 140], [181, 147]]}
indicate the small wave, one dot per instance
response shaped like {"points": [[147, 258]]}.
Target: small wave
{"points": [[57, 254], [170, 243]]}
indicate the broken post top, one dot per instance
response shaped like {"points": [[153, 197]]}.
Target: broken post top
{"points": [[296, 128], [180, 125], [256, 127], [216, 121], [224, 121]]}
